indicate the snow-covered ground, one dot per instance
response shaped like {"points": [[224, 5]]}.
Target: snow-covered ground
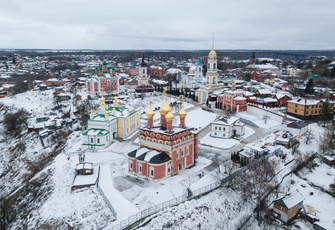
{"points": [[36, 102], [259, 120], [199, 118], [217, 142]]}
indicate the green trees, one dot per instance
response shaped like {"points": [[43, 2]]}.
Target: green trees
{"points": [[326, 114]]}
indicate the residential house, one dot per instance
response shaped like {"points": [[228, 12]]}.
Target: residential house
{"points": [[288, 206]]}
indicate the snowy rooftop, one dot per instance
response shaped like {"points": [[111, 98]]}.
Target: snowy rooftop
{"points": [[291, 199]]}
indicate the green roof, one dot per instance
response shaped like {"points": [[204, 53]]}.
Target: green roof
{"points": [[101, 132], [104, 63], [314, 76]]}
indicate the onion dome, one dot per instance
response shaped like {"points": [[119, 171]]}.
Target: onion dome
{"points": [[150, 113], [102, 100], [106, 113], [212, 54], [169, 116], [99, 109], [91, 112], [104, 63], [182, 113]]}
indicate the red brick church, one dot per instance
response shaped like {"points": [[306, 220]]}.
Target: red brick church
{"points": [[164, 150]]}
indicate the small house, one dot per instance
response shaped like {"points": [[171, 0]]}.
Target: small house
{"points": [[227, 127], [288, 206], [84, 168]]}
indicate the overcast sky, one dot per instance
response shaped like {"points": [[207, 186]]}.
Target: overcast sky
{"points": [[167, 24]]}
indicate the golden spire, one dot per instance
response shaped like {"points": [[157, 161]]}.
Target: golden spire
{"points": [[99, 109], [212, 54], [91, 112], [106, 113], [169, 116], [114, 110], [182, 113], [150, 113], [102, 100]]}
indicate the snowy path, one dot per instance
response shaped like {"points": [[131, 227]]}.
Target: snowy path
{"points": [[121, 205]]}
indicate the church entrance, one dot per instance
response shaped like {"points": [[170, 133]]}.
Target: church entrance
{"points": [[180, 166]]}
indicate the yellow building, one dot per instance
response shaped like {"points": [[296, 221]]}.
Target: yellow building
{"points": [[306, 108], [108, 123], [128, 119], [203, 93]]}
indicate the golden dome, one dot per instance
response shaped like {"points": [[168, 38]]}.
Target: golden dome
{"points": [[99, 109], [106, 114], [182, 113], [150, 113], [165, 108], [91, 112], [169, 116], [102, 100], [212, 54]]}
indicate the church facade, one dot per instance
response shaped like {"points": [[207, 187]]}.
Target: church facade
{"points": [[164, 150], [102, 81], [108, 123]]}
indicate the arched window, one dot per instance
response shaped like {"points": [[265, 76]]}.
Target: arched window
{"points": [[214, 66]]}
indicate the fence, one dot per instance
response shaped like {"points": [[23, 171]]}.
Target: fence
{"points": [[104, 197], [162, 206]]}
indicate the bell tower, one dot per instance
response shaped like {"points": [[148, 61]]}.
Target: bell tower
{"points": [[211, 76]]}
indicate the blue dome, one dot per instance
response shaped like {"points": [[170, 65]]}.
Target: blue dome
{"points": [[199, 62]]}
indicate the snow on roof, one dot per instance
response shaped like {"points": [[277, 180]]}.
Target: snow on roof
{"points": [[292, 199], [226, 120], [150, 155], [141, 151], [302, 101], [239, 98], [84, 165], [269, 99], [264, 91]]}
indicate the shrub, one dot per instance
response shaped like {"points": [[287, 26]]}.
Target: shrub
{"points": [[15, 123]]}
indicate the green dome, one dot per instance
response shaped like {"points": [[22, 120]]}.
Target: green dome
{"points": [[104, 63]]}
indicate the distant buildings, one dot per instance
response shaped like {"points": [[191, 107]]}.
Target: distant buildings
{"points": [[143, 88], [103, 81]]}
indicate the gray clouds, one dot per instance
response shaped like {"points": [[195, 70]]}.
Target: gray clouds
{"points": [[167, 24]]}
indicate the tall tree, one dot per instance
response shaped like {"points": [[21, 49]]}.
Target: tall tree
{"points": [[326, 112], [255, 182], [309, 87]]}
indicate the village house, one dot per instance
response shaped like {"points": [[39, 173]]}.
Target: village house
{"points": [[285, 138], [288, 206], [227, 127], [307, 109], [164, 150], [54, 82]]}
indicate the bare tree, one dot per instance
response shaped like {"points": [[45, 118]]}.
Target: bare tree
{"points": [[255, 182], [227, 171], [326, 142]]}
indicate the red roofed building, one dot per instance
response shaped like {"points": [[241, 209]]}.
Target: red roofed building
{"points": [[233, 100], [165, 149]]}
